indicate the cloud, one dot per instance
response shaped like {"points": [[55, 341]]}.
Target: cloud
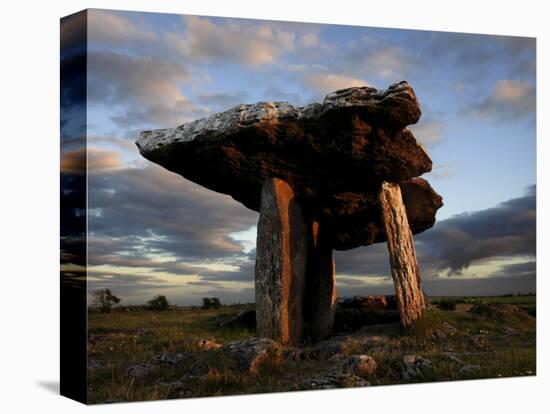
{"points": [[125, 283], [120, 77], [506, 230], [143, 89], [324, 83], [453, 245], [428, 131], [150, 210], [114, 28], [389, 63], [508, 99], [94, 159], [240, 41], [471, 60], [221, 101]]}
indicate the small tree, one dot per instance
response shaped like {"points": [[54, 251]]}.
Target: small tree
{"points": [[159, 302], [105, 300], [211, 303]]}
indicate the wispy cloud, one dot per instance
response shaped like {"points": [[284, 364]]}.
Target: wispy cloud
{"points": [[509, 99], [231, 40], [324, 83]]}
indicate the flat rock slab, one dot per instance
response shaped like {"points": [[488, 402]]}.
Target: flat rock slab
{"points": [[334, 156], [252, 353]]}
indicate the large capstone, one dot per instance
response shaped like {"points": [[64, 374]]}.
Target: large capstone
{"points": [[334, 156]]}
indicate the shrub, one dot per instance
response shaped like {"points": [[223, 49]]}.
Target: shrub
{"points": [[448, 305], [159, 302], [211, 303], [105, 300]]}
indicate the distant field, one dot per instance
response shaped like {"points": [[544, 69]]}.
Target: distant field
{"points": [[498, 341], [527, 302]]}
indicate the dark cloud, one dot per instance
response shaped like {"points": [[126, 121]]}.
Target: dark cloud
{"points": [[151, 210], [506, 230], [452, 245]]}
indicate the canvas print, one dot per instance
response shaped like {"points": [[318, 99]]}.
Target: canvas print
{"points": [[252, 206]]}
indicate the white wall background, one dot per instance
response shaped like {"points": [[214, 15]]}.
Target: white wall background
{"points": [[29, 218]]}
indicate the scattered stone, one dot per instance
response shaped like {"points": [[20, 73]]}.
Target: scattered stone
{"points": [[330, 347], [509, 330], [207, 345], [365, 303], [470, 369], [251, 354], [452, 356], [478, 341], [363, 365], [449, 329], [334, 380], [140, 371], [243, 320], [415, 366], [170, 358]]}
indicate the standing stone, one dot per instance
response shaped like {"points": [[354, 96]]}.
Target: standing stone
{"points": [[404, 266], [320, 301], [281, 260]]}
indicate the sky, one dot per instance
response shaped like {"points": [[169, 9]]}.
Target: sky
{"points": [[153, 232]]}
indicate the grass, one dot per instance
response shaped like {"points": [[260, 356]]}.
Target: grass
{"points": [[502, 344]]}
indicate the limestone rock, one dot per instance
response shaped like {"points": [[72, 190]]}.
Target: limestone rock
{"points": [[281, 259], [333, 155], [251, 354], [207, 345], [468, 370], [170, 358], [363, 226], [334, 380], [320, 298], [363, 365], [140, 371], [365, 303], [414, 367]]}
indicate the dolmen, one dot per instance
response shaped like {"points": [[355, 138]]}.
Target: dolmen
{"points": [[336, 175]]}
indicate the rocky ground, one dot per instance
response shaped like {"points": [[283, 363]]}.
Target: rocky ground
{"points": [[145, 355]]}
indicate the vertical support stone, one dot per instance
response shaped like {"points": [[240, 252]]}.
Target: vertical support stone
{"points": [[281, 259], [320, 300], [411, 302]]}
